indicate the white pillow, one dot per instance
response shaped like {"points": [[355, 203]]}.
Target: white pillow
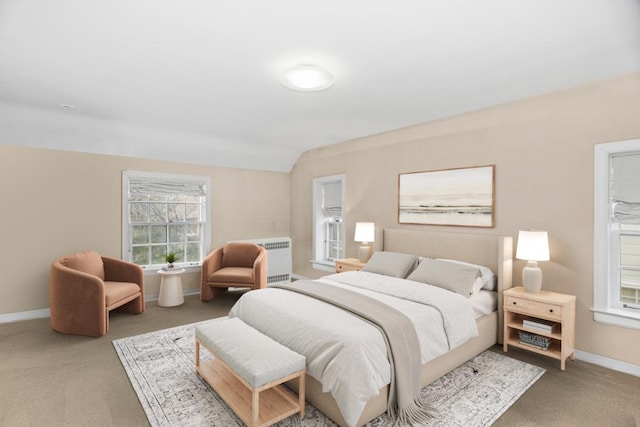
{"points": [[489, 281]]}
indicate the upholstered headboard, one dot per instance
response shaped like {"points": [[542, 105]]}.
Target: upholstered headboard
{"points": [[495, 252]]}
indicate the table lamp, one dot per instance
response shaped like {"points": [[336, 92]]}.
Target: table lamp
{"points": [[533, 246], [365, 234]]}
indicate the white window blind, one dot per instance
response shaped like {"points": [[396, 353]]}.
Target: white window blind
{"points": [[625, 188], [158, 185], [332, 199]]}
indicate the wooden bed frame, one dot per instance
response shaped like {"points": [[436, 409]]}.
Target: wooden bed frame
{"points": [[495, 252]]}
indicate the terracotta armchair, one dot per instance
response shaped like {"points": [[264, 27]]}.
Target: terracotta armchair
{"points": [[84, 287], [237, 264]]}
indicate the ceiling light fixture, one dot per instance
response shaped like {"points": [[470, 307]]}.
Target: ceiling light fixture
{"points": [[307, 78]]}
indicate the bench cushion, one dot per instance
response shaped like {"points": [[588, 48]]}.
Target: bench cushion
{"points": [[257, 358]]}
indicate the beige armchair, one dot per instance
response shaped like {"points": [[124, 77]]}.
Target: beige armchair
{"points": [[237, 264], [84, 287]]}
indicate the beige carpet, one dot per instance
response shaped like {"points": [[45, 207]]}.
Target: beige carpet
{"points": [[52, 379]]}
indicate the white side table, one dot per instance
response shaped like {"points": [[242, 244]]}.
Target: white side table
{"points": [[171, 293]]}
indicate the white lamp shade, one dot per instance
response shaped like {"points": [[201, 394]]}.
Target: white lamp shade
{"points": [[365, 232], [533, 246]]}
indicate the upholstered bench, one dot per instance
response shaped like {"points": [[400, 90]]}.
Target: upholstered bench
{"points": [[248, 369]]}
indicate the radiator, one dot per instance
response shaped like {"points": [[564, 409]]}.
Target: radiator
{"points": [[278, 258]]}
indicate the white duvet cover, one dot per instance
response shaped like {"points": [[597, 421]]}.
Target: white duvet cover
{"points": [[346, 354]]}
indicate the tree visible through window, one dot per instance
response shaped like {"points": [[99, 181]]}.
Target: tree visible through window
{"points": [[162, 214]]}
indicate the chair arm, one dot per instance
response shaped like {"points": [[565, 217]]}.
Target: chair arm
{"points": [[210, 263], [117, 270], [260, 269], [71, 291]]}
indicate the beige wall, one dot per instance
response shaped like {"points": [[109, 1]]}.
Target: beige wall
{"points": [[58, 202], [543, 152]]}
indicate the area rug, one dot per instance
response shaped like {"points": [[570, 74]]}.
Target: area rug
{"points": [[160, 366]]}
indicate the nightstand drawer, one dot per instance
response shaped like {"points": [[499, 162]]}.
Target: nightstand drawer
{"points": [[535, 308], [348, 264], [341, 267]]}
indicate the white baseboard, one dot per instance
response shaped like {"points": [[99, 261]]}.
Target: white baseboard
{"points": [[24, 315], [607, 362]]}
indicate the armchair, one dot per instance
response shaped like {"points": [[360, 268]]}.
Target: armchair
{"points": [[84, 287], [237, 264]]}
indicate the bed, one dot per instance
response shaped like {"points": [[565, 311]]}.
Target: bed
{"points": [[494, 252]]}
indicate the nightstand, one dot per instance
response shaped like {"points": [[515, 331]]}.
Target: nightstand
{"points": [[522, 308], [348, 264]]}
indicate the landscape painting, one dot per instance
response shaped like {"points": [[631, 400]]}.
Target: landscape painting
{"points": [[462, 197]]}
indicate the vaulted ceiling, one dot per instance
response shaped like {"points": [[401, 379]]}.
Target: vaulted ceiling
{"points": [[198, 81]]}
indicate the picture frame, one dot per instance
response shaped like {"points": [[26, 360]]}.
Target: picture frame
{"points": [[458, 197]]}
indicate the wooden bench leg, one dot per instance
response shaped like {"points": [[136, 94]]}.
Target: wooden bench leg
{"points": [[197, 354], [255, 410], [301, 387]]}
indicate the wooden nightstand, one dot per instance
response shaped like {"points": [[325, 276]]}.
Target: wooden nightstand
{"points": [[348, 264], [545, 306]]}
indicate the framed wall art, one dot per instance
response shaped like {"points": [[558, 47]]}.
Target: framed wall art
{"points": [[462, 197]]}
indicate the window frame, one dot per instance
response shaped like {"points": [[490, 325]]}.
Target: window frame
{"points": [[127, 175], [607, 307], [319, 227]]}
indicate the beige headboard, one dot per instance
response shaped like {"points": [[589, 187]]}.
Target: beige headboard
{"points": [[495, 252]]}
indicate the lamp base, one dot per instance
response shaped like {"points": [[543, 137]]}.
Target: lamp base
{"points": [[532, 278], [364, 252]]}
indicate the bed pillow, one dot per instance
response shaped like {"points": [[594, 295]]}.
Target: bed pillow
{"points": [[392, 264], [459, 278], [488, 278]]}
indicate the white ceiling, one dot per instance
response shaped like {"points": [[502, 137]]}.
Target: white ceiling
{"points": [[197, 81]]}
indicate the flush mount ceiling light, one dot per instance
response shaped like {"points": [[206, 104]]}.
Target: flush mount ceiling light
{"points": [[307, 78]]}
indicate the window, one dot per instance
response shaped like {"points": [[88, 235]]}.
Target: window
{"points": [[617, 233], [165, 213], [328, 220]]}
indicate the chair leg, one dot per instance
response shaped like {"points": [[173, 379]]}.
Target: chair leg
{"points": [[218, 291]]}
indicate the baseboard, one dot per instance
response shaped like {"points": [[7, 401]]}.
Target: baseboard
{"points": [[24, 315], [607, 362]]}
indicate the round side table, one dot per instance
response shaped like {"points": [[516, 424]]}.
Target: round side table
{"points": [[171, 293]]}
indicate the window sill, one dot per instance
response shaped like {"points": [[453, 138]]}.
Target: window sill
{"points": [[617, 317], [323, 265]]}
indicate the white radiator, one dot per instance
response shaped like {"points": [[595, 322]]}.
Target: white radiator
{"points": [[278, 258]]}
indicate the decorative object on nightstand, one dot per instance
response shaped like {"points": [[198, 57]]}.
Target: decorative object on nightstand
{"points": [[533, 246], [348, 264], [543, 323], [365, 234]]}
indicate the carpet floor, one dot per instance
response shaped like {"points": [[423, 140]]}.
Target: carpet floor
{"points": [[51, 379], [160, 366]]}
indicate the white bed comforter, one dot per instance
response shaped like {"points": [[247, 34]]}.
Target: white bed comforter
{"points": [[346, 354]]}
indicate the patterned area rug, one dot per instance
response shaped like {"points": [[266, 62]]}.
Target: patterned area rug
{"points": [[160, 366]]}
